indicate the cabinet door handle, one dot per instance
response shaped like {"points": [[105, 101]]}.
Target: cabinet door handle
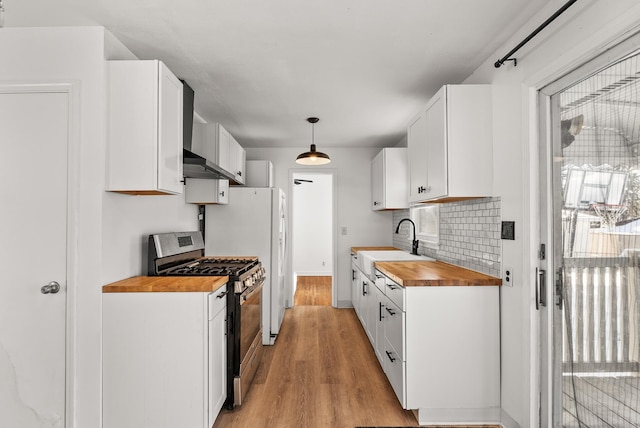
{"points": [[364, 290], [391, 312], [380, 311], [390, 355], [221, 295], [353, 275], [222, 193]]}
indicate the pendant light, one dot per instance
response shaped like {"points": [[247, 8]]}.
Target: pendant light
{"points": [[312, 157]]}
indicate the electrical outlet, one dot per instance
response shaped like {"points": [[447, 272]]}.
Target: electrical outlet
{"points": [[344, 230], [507, 277]]}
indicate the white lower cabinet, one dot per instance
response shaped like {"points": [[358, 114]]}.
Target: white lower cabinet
{"points": [[164, 359], [440, 349], [379, 343], [394, 328], [217, 354], [356, 287], [396, 372], [363, 298]]}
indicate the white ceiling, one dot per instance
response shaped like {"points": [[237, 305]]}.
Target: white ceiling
{"points": [[261, 67]]}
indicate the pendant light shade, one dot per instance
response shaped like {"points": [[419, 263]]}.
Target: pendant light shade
{"points": [[313, 157]]}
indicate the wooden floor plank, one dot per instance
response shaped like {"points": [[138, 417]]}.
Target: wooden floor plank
{"points": [[320, 373], [313, 291]]}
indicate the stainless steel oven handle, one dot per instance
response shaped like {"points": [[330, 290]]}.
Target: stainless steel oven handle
{"points": [[249, 292]]}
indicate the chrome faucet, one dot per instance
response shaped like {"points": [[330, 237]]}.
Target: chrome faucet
{"points": [[414, 243]]}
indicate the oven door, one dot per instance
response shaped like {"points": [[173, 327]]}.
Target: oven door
{"points": [[250, 342], [250, 317]]}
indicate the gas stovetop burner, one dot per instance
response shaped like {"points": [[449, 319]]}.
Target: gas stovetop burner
{"points": [[216, 267], [182, 254]]}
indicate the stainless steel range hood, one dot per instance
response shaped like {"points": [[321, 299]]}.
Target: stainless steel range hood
{"points": [[194, 164]]}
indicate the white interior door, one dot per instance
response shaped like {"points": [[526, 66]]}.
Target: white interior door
{"points": [[34, 131]]}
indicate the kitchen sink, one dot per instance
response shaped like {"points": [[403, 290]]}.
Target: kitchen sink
{"points": [[367, 258]]}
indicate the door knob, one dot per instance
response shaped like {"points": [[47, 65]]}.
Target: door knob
{"points": [[51, 288]]}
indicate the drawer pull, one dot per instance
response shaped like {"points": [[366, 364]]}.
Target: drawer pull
{"points": [[380, 311], [364, 290], [379, 276], [393, 286], [221, 295], [390, 355], [391, 312]]}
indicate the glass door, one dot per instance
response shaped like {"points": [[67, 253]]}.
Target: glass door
{"points": [[590, 195]]}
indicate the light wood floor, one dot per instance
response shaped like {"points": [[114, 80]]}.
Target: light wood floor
{"points": [[313, 291], [321, 373]]}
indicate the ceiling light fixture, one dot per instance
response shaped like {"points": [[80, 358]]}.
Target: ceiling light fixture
{"points": [[312, 157]]}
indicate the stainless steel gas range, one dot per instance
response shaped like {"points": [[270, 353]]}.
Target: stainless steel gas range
{"points": [[182, 254]]}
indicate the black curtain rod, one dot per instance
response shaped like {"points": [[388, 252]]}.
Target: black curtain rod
{"points": [[507, 57]]}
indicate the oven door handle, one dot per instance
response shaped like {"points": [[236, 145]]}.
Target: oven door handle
{"points": [[249, 292]]}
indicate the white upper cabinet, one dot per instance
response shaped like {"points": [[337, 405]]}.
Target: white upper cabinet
{"points": [[144, 154], [451, 146], [222, 149], [237, 160], [206, 191], [389, 178]]}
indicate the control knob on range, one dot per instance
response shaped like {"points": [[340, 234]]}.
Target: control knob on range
{"points": [[249, 282]]}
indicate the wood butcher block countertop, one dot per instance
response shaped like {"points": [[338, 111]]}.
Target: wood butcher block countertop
{"points": [[154, 284], [356, 249], [433, 273]]}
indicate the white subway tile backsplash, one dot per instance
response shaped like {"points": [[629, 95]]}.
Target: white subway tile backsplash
{"points": [[469, 235]]}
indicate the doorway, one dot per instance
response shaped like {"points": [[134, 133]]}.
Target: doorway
{"points": [[590, 195], [312, 231]]}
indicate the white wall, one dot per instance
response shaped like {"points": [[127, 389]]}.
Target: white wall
{"points": [[312, 221], [110, 227], [585, 30], [73, 55], [128, 220], [353, 182]]}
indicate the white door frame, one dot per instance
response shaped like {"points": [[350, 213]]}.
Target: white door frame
{"points": [[550, 385], [333, 172], [72, 89]]}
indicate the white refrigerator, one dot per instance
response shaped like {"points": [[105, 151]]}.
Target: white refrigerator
{"points": [[254, 223]]}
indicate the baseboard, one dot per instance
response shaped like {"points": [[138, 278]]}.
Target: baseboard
{"points": [[297, 274], [344, 304], [490, 416], [459, 416]]}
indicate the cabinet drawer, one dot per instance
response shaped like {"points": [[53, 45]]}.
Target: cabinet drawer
{"points": [[394, 292], [394, 321], [217, 301], [395, 370]]}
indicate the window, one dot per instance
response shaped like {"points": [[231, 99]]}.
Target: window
{"points": [[427, 220]]}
